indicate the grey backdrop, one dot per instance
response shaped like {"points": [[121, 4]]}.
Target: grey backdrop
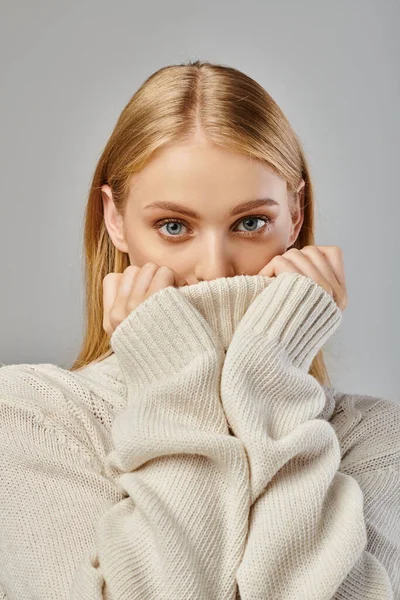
{"points": [[67, 71]]}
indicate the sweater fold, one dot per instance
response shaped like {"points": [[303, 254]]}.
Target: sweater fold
{"points": [[307, 533], [180, 531], [200, 460]]}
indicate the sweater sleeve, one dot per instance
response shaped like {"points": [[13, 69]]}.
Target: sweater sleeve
{"points": [[173, 524], [307, 533]]}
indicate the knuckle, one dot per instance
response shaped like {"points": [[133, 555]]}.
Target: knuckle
{"points": [[132, 304], [116, 316], [131, 269], [107, 278], [167, 270]]}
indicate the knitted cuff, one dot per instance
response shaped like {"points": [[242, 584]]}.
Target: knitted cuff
{"points": [[161, 336], [296, 313]]}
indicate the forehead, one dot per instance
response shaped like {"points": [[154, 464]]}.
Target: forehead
{"points": [[192, 173]]}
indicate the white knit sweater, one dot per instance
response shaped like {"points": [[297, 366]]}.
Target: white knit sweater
{"points": [[123, 481]]}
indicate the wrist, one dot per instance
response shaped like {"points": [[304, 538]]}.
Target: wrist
{"points": [[161, 336], [294, 312]]}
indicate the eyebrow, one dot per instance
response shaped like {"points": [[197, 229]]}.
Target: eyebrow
{"points": [[172, 206]]}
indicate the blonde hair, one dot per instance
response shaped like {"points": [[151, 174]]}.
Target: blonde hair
{"points": [[172, 105]]}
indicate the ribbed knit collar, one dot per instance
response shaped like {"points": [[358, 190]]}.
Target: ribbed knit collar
{"points": [[222, 302]]}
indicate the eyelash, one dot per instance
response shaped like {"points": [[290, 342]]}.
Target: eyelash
{"points": [[267, 226]]}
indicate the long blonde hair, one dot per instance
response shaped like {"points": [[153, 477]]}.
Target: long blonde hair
{"points": [[231, 110]]}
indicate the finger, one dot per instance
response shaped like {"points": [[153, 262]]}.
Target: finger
{"points": [[306, 265], [277, 265], [126, 282], [334, 255], [141, 285], [324, 266], [163, 278], [110, 287]]}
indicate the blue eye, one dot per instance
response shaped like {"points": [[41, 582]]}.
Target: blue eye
{"points": [[267, 225]]}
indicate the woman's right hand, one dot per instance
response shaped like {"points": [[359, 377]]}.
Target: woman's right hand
{"points": [[123, 292]]}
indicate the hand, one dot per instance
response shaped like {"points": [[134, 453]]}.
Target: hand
{"points": [[123, 292], [323, 264]]}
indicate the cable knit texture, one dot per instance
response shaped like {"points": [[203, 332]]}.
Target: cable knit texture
{"points": [[201, 460]]}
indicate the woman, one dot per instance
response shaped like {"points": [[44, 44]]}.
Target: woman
{"points": [[195, 449]]}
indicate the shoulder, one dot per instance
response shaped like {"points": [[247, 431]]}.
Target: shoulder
{"points": [[44, 384], [39, 386], [368, 429], [76, 408]]}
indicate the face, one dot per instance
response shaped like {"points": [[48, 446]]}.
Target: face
{"points": [[216, 241]]}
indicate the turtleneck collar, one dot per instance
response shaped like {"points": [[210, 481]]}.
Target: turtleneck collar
{"points": [[222, 302]]}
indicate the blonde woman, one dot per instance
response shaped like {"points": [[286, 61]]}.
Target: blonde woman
{"points": [[196, 448]]}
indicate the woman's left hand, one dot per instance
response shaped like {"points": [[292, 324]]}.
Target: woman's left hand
{"points": [[323, 264]]}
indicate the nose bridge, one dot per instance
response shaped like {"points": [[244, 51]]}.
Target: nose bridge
{"points": [[215, 259]]}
